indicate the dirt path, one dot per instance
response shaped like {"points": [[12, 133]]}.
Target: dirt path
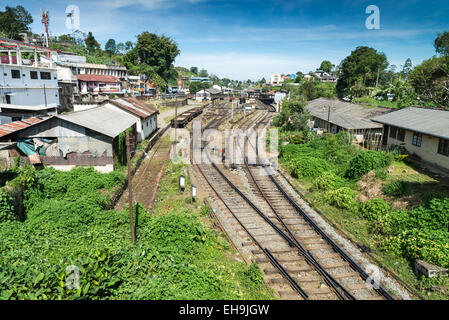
{"points": [[147, 177]]}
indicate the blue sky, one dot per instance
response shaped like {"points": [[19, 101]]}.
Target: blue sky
{"points": [[251, 39]]}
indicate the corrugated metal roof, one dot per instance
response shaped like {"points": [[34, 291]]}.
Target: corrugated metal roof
{"points": [[137, 108], [428, 121], [105, 119], [24, 107], [11, 127], [344, 114]]}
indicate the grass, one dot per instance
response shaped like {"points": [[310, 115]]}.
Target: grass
{"points": [[376, 103]]}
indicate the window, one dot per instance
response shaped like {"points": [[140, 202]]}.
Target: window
{"points": [[33, 74], [393, 132], [401, 135], [15, 74], [443, 147], [417, 139], [45, 75], [8, 98]]}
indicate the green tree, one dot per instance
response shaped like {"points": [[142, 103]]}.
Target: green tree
{"points": [[442, 43], [365, 63], [294, 116], [153, 56], [308, 90], [203, 73], [406, 69], [120, 48], [129, 45], [430, 80], [196, 86], [91, 43], [326, 66], [194, 70], [15, 20], [110, 47]]}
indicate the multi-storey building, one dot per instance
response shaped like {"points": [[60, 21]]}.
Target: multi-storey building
{"points": [[26, 87]]}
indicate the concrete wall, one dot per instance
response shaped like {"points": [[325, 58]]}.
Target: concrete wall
{"points": [[27, 91], [428, 150], [71, 137]]}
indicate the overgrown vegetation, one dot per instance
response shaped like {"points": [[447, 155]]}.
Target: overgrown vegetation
{"points": [[330, 167], [68, 232]]}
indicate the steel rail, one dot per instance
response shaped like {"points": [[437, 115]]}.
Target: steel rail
{"points": [[271, 258], [376, 286], [345, 256], [305, 253]]}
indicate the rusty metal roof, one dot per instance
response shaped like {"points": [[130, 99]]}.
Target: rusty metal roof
{"points": [[137, 108], [8, 128]]}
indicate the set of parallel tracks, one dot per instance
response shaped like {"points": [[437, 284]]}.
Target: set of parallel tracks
{"points": [[305, 262]]}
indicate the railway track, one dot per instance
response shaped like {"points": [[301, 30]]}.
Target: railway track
{"points": [[298, 259]]}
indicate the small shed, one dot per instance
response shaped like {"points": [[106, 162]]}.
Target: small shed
{"points": [[83, 138]]}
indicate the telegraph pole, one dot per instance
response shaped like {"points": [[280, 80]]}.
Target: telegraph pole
{"points": [[176, 125], [130, 187], [328, 119]]}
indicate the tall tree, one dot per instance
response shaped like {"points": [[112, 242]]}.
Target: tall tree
{"points": [[154, 55], [203, 73], [91, 43], [194, 70], [110, 47], [365, 63], [326, 66], [406, 69], [15, 20], [442, 43]]}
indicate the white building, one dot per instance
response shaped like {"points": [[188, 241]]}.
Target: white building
{"points": [[106, 70], [99, 84], [26, 87], [145, 115], [276, 79]]}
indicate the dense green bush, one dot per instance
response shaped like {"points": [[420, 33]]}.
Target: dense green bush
{"points": [[397, 188], [310, 167], [366, 161], [343, 198], [175, 256], [328, 181], [373, 209], [428, 245], [6, 206]]}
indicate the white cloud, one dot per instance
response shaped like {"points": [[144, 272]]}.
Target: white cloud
{"points": [[243, 66]]}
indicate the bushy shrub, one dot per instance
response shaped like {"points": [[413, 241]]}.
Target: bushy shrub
{"points": [[397, 188], [373, 209], [328, 181], [343, 198], [309, 167], [6, 206], [178, 230], [428, 245], [366, 161]]}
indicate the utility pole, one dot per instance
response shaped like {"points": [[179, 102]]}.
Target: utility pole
{"points": [[377, 81], [328, 119], [176, 125], [130, 187]]}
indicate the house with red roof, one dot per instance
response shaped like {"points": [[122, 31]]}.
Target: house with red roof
{"points": [[96, 84]]}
